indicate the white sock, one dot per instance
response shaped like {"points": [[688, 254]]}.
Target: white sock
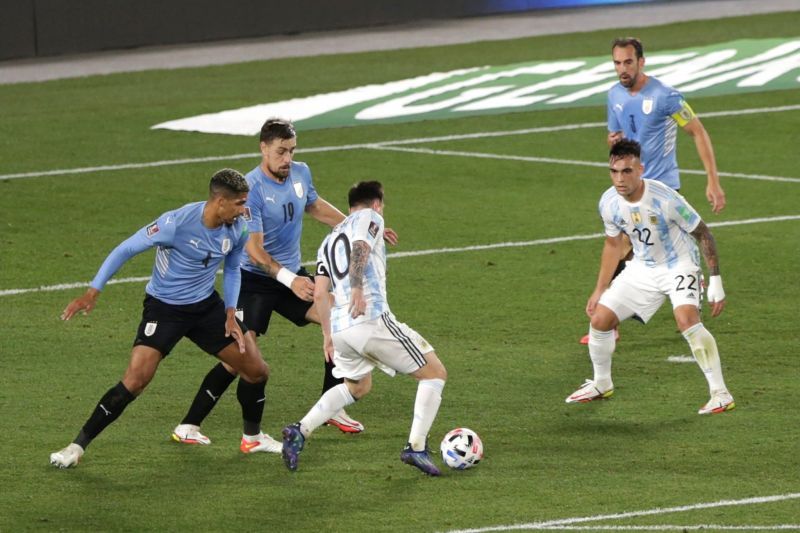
{"points": [[426, 405], [704, 349], [334, 400], [601, 346]]}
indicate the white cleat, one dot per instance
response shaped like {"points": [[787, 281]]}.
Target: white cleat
{"points": [[189, 434], [260, 443], [590, 392], [720, 402], [69, 456], [345, 424]]}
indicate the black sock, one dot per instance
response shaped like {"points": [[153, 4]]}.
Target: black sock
{"points": [[330, 381], [108, 409], [214, 385], [252, 397]]}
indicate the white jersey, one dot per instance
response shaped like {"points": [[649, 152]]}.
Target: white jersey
{"points": [[333, 261], [659, 225]]}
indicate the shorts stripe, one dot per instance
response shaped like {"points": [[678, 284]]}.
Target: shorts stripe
{"points": [[407, 343]]}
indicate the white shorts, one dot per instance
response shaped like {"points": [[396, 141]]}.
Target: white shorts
{"points": [[382, 342], [640, 290]]}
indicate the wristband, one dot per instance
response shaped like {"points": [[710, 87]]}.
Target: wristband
{"points": [[286, 277]]}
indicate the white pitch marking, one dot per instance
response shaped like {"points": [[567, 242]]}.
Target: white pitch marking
{"points": [[665, 527], [479, 135], [553, 524], [416, 253], [680, 359], [532, 159]]}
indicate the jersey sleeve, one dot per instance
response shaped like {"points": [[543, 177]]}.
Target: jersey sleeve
{"points": [[677, 108], [368, 228], [683, 214], [159, 233], [252, 210], [312, 195], [613, 123], [231, 273], [611, 228]]}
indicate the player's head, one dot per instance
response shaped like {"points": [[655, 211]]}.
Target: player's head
{"points": [[227, 194], [278, 141], [366, 194], [625, 168], [628, 56]]}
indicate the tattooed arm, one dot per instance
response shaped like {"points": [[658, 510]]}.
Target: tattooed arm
{"points": [[715, 293], [358, 264]]}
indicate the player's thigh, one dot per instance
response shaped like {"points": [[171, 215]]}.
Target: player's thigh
{"points": [[208, 330], [433, 369], [633, 292], [684, 286], [162, 325], [397, 345], [250, 365]]}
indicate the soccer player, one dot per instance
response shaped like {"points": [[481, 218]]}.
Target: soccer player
{"points": [[272, 278], [180, 301], [643, 109], [360, 332], [663, 229]]}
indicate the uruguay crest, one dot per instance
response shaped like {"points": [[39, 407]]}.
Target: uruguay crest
{"points": [[298, 189], [647, 106], [150, 328], [226, 245]]}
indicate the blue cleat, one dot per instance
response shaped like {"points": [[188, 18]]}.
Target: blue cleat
{"points": [[293, 442], [421, 460]]}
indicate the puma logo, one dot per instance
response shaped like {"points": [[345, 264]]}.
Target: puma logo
{"points": [[214, 398], [106, 411]]}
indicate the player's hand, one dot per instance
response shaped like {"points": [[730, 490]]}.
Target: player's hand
{"points": [[327, 347], [84, 303], [715, 295], [390, 236], [716, 197], [613, 138], [358, 304], [303, 288], [232, 329], [591, 304]]}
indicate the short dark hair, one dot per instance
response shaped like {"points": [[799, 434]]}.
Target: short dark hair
{"points": [[623, 42], [364, 192], [625, 148], [277, 128], [227, 182]]}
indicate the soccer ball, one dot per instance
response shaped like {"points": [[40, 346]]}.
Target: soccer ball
{"points": [[461, 448]]}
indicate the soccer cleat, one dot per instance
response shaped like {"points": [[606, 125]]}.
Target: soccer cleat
{"points": [[421, 460], [720, 402], [345, 423], [69, 456], [259, 443], [589, 392], [189, 434], [585, 339], [293, 442]]}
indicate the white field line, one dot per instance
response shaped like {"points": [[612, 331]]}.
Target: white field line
{"points": [[532, 159], [555, 524], [680, 359], [421, 140], [414, 253], [665, 527]]}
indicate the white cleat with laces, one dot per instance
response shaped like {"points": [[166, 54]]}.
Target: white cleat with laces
{"points": [[67, 457], [589, 391], [720, 402], [189, 434]]}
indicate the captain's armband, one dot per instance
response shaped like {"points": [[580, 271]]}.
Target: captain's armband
{"points": [[684, 115]]}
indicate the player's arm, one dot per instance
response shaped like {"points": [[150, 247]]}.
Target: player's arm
{"points": [[301, 286], [609, 259], [358, 265], [692, 125], [135, 244], [708, 247], [231, 283], [322, 303]]}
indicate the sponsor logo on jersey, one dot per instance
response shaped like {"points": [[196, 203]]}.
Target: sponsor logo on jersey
{"points": [[298, 189], [150, 328], [226, 245], [373, 229], [647, 106], [152, 229]]}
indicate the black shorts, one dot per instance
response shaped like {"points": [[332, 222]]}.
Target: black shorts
{"points": [[261, 295], [163, 325]]}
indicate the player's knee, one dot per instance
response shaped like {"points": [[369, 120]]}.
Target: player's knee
{"points": [[359, 389], [256, 371]]}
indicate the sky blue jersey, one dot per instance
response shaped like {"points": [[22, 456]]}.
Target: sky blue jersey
{"points": [[651, 117], [187, 256], [276, 210]]}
